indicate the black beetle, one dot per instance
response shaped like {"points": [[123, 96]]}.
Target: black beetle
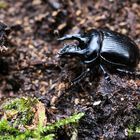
{"points": [[104, 48]]}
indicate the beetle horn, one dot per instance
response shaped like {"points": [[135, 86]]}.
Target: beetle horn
{"points": [[77, 37]]}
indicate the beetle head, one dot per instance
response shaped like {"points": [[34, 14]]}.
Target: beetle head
{"points": [[68, 49]]}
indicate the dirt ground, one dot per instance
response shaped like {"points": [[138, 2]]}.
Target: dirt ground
{"points": [[34, 69]]}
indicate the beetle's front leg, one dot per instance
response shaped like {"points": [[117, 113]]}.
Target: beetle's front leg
{"points": [[106, 75], [80, 77], [77, 37]]}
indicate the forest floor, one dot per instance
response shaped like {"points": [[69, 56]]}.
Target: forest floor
{"points": [[34, 70]]}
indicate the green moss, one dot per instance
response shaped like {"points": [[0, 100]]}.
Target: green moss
{"points": [[3, 5], [71, 120], [22, 108], [8, 132], [6, 128], [48, 137], [19, 111], [134, 129], [138, 106]]}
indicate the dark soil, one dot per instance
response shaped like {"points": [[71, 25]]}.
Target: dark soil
{"points": [[34, 69]]}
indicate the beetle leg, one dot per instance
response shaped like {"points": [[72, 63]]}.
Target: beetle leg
{"points": [[106, 75], [130, 72], [90, 61], [74, 36], [80, 77], [126, 71]]}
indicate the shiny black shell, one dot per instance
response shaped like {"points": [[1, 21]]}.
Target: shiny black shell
{"points": [[112, 48], [119, 49]]}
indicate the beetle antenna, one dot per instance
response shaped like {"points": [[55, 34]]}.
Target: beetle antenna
{"points": [[77, 37]]}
